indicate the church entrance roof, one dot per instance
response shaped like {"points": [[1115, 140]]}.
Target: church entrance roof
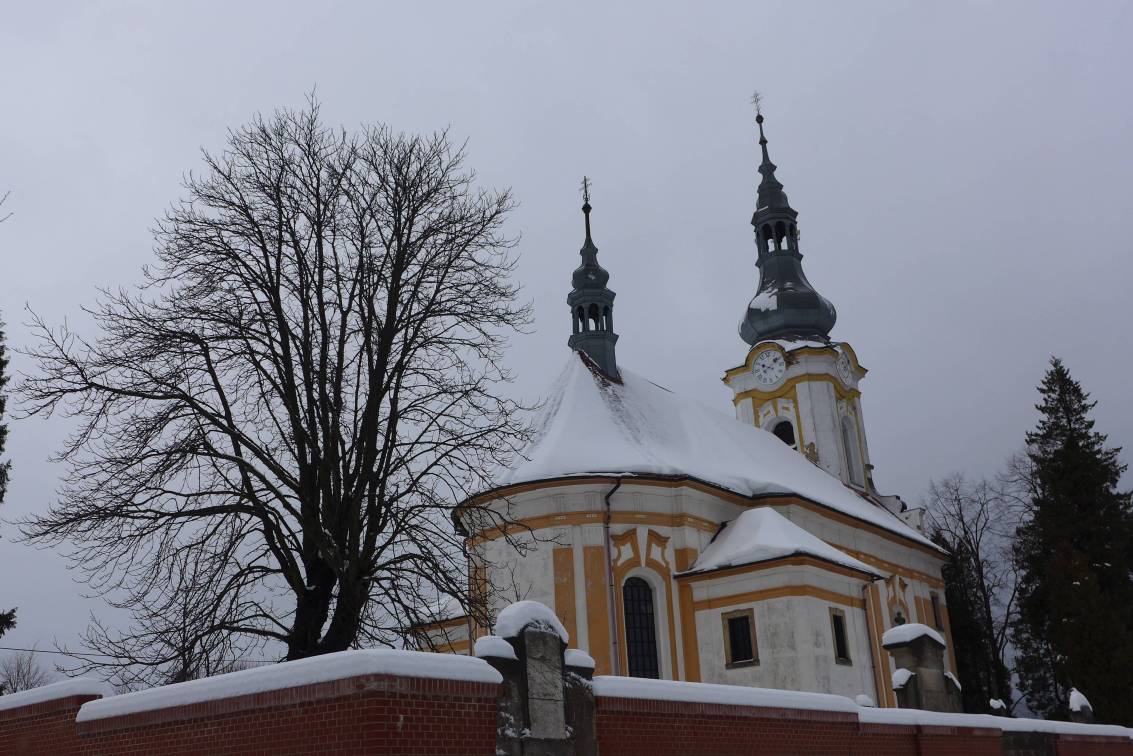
{"points": [[762, 534]]}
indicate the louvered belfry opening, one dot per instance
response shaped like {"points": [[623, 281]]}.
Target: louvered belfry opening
{"points": [[641, 629]]}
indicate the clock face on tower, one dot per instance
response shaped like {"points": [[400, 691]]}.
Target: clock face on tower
{"points": [[768, 366], [845, 370]]}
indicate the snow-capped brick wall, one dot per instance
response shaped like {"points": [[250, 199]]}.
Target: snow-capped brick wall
{"points": [[369, 714], [394, 702], [41, 722], [656, 718], [372, 702]]}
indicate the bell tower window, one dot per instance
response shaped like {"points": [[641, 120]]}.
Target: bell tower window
{"points": [[784, 430], [641, 629]]}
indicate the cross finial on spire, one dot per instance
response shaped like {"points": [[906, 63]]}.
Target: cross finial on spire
{"points": [[586, 203], [757, 102]]}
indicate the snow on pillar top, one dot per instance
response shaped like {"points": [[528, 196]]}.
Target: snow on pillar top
{"points": [[909, 632], [516, 617]]}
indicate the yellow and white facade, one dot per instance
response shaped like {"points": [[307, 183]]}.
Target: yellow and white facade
{"points": [[629, 512]]}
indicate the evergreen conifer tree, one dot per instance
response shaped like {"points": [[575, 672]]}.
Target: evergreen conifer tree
{"points": [[1075, 555]]}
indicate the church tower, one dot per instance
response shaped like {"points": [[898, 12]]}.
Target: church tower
{"points": [[592, 303], [795, 381]]}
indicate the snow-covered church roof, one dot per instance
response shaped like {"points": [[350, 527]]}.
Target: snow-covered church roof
{"points": [[590, 425], [759, 535]]}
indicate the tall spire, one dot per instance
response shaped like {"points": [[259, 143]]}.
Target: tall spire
{"points": [[771, 192], [592, 303], [785, 305]]}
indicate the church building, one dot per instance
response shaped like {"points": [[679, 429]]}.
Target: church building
{"points": [[675, 541]]}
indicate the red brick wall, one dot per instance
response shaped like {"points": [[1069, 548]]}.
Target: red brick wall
{"points": [[958, 741], [372, 714], [1078, 745], [635, 727], [42, 729], [884, 740]]}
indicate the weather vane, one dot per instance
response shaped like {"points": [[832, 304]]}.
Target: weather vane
{"points": [[586, 189], [756, 100]]}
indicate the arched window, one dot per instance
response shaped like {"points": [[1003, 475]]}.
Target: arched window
{"points": [[581, 315], [785, 432], [641, 628], [607, 319], [853, 453]]}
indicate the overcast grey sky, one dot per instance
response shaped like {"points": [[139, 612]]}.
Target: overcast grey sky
{"points": [[961, 171]]}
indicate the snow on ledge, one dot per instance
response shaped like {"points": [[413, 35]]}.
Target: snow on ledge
{"points": [[910, 631], [519, 615], [901, 678], [1078, 702], [494, 646], [316, 669], [734, 695], [988, 722], [79, 686], [576, 657]]}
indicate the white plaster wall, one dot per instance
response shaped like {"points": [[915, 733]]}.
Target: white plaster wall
{"points": [[796, 648]]}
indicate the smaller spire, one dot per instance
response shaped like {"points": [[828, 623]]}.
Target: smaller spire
{"points": [[592, 303], [590, 274]]}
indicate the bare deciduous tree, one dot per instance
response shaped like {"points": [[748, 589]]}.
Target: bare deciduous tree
{"points": [[21, 671], [290, 404], [976, 521]]}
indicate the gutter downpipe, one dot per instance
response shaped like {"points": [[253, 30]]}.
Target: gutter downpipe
{"points": [[615, 646]]}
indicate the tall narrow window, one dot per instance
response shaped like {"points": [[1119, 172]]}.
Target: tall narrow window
{"points": [[641, 629], [937, 621], [841, 639], [739, 639]]}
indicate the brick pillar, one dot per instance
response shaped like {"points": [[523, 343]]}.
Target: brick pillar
{"points": [[547, 704]]}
